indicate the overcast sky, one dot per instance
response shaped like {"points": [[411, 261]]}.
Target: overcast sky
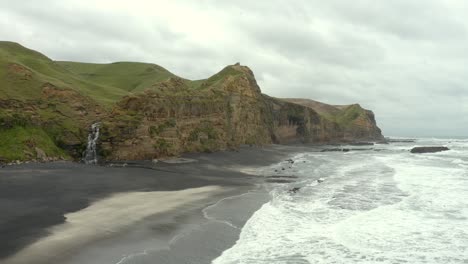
{"points": [[404, 59]]}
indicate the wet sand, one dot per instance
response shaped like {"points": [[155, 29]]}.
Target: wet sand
{"points": [[166, 212], [103, 218]]}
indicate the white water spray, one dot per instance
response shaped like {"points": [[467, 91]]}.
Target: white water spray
{"points": [[90, 155]]}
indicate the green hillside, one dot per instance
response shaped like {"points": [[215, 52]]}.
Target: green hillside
{"points": [[23, 72], [48, 104], [126, 76], [47, 107]]}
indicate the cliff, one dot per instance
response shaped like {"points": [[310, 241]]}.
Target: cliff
{"points": [[354, 122], [47, 107]]}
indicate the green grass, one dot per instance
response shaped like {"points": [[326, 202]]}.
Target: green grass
{"points": [[19, 143], [104, 83], [14, 85], [216, 80], [79, 90], [127, 76], [345, 117]]}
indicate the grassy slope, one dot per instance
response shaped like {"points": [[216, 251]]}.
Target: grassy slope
{"points": [[216, 80], [19, 143], [104, 83], [23, 73], [343, 115], [319, 107], [44, 70], [348, 114], [126, 76]]}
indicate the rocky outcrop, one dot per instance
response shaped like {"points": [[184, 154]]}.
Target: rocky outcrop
{"points": [[148, 112], [171, 118], [355, 123], [428, 149]]}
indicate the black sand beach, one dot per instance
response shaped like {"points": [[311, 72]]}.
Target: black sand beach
{"points": [[166, 212]]}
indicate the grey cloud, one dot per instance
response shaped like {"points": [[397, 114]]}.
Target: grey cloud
{"points": [[403, 59], [413, 20], [304, 43]]}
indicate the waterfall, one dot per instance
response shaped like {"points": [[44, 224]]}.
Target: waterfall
{"points": [[90, 155]]}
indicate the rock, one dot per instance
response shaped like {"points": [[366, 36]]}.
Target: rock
{"points": [[361, 144], [279, 181], [336, 150], [40, 154], [294, 190], [282, 176], [28, 154], [282, 168], [428, 149], [171, 117], [320, 180]]}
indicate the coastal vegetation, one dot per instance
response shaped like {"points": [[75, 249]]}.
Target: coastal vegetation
{"points": [[47, 108]]}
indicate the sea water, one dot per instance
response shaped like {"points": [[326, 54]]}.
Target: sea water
{"points": [[378, 205]]}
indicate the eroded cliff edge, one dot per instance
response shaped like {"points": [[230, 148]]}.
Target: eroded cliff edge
{"points": [[147, 112]]}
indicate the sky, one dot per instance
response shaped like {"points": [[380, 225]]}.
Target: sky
{"points": [[406, 60]]}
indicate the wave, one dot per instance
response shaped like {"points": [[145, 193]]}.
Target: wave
{"points": [[386, 207]]}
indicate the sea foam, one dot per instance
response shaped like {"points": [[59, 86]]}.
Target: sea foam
{"points": [[374, 207]]}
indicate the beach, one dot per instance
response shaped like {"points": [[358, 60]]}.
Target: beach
{"points": [[172, 211], [278, 204]]}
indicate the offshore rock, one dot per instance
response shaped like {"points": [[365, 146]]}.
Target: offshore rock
{"points": [[428, 149]]}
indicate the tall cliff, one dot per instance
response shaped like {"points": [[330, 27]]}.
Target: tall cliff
{"points": [[354, 122], [146, 112]]}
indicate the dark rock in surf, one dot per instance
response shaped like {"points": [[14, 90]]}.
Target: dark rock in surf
{"points": [[428, 149], [336, 150], [282, 177], [279, 181], [361, 144], [294, 190]]}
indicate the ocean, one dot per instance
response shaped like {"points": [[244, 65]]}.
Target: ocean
{"points": [[381, 204]]}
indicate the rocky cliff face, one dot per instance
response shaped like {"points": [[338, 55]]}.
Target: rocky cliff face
{"points": [[163, 115], [354, 122], [174, 119]]}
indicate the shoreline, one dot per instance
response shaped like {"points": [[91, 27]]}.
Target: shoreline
{"points": [[77, 189], [103, 218], [355, 142]]}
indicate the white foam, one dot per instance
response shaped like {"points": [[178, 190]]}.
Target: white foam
{"points": [[373, 207]]}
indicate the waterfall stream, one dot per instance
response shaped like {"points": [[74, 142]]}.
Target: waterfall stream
{"points": [[90, 155]]}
